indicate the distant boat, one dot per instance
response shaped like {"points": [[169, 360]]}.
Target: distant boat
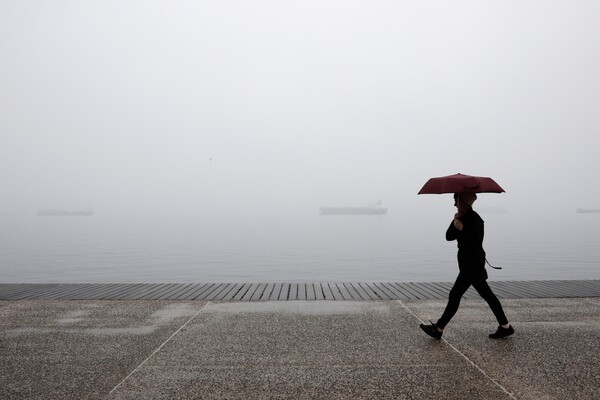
{"points": [[588, 211], [63, 213], [370, 210]]}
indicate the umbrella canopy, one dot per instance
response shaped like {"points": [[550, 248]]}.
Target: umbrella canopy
{"points": [[460, 183]]}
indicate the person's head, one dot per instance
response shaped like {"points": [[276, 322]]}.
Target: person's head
{"points": [[464, 201]]}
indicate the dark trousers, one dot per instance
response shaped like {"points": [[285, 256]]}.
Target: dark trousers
{"points": [[458, 290]]}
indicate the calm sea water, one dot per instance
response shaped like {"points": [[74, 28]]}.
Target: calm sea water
{"points": [[315, 248]]}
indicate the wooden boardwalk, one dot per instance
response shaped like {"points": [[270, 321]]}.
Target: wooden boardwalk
{"points": [[289, 291]]}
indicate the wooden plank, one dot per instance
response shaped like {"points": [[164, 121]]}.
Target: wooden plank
{"points": [[584, 288], [562, 290], [525, 291], [327, 293], [558, 290], [510, 289], [293, 292], [543, 290], [110, 292], [530, 289], [248, 295], [258, 293], [129, 292], [5, 287], [399, 294], [319, 293], [230, 290], [409, 292], [31, 291], [441, 289], [370, 291], [407, 288], [228, 294], [85, 291], [175, 291], [132, 290], [163, 292], [45, 291], [196, 292], [136, 293], [48, 291], [210, 292], [445, 287], [28, 289], [156, 294], [500, 292], [242, 292], [217, 291], [92, 291], [200, 292], [362, 292], [338, 290], [423, 292], [267, 292], [184, 293], [388, 293], [431, 290], [9, 294], [276, 291], [302, 291], [344, 292], [310, 292], [591, 283], [11, 290], [285, 291], [354, 292], [381, 292]]}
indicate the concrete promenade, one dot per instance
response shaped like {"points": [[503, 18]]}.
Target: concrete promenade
{"points": [[165, 349]]}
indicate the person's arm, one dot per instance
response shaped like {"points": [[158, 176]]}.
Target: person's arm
{"points": [[452, 233]]}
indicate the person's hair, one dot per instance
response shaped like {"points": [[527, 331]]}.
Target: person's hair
{"points": [[467, 198]]}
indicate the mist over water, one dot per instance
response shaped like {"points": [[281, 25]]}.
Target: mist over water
{"points": [[204, 135], [314, 248]]}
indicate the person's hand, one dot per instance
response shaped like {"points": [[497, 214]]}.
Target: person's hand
{"points": [[458, 223]]}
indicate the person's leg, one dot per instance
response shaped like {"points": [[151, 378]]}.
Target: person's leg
{"points": [[486, 293], [458, 290]]}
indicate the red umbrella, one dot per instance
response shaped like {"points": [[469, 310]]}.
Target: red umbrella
{"points": [[460, 183]]}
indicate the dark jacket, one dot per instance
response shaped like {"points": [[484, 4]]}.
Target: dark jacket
{"points": [[471, 256]]}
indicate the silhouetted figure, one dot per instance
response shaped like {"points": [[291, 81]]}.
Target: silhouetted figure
{"points": [[467, 230]]}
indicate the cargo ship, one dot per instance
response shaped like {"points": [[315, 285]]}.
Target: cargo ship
{"points": [[588, 211]]}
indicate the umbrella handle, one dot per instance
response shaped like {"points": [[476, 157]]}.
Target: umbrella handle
{"points": [[488, 263]]}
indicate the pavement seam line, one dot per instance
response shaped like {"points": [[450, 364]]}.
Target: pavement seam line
{"points": [[463, 355], [158, 349]]}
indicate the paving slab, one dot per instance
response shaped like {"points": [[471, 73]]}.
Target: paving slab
{"points": [[296, 350], [306, 350], [80, 349], [553, 354]]}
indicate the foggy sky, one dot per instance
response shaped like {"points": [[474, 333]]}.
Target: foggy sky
{"points": [[214, 107]]}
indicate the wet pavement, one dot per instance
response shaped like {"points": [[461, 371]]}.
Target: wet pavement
{"points": [[296, 350]]}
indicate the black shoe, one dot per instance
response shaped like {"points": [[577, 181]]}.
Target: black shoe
{"points": [[502, 332], [431, 330]]}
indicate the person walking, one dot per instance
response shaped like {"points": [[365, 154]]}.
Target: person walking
{"points": [[467, 229]]}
